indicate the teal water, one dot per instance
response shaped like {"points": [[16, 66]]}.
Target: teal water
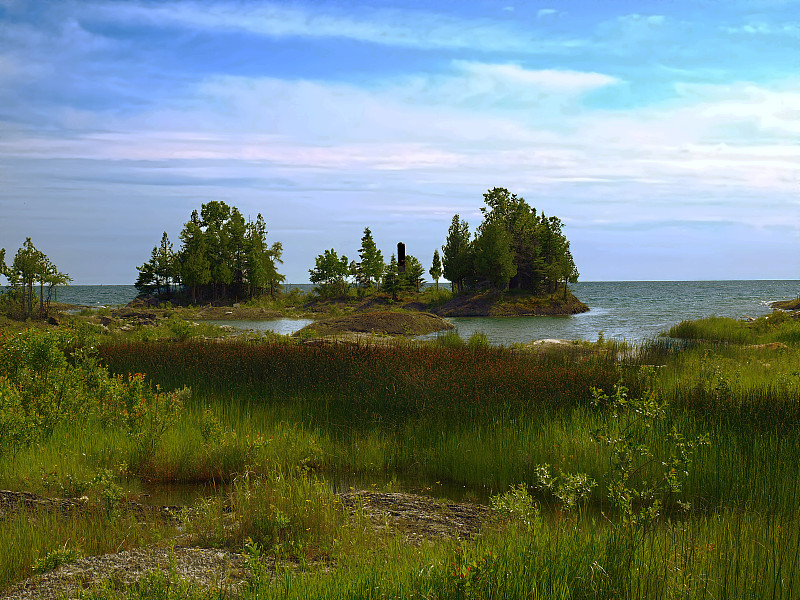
{"points": [[625, 310], [635, 311]]}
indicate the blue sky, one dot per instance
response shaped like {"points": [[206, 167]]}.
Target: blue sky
{"points": [[666, 135]]}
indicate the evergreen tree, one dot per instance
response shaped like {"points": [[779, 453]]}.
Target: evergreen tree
{"points": [[166, 266], [370, 270], [392, 282], [29, 268], [494, 258], [514, 247], [235, 233], [195, 268], [456, 254], [274, 279], [436, 268], [223, 256], [413, 277]]}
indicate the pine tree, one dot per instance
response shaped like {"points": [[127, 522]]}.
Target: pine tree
{"points": [[391, 278], [370, 270], [456, 257], [413, 277], [494, 258], [31, 267], [193, 257], [436, 268]]}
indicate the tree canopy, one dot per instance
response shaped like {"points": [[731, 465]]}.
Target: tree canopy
{"points": [[513, 247], [31, 269], [222, 256]]}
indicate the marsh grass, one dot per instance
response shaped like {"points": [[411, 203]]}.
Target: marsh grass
{"points": [[271, 417], [31, 541], [288, 514], [775, 327]]}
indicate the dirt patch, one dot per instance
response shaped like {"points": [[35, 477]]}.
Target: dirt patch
{"points": [[378, 322], [420, 518]]}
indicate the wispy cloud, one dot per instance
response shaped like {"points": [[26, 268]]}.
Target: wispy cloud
{"points": [[390, 27]]}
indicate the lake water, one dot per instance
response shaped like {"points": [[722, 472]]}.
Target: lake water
{"points": [[629, 310], [636, 311]]}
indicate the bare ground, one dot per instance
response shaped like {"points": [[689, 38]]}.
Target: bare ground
{"points": [[416, 518]]}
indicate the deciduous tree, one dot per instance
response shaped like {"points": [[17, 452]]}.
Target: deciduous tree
{"points": [[330, 273]]}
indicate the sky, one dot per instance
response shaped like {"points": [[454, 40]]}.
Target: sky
{"points": [[665, 135]]}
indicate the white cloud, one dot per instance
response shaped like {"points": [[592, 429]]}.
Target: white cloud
{"points": [[545, 79], [391, 27]]}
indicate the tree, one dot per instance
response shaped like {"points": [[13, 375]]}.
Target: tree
{"points": [[436, 268], [494, 258], [195, 269], [331, 272], [370, 270], [273, 277], [456, 257], [223, 256], [513, 247], [29, 268], [392, 282], [156, 275], [412, 277], [166, 266]]}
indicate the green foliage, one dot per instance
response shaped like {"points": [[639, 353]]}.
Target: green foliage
{"points": [[569, 488], [494, 257], [457, 254], [46, 379], [518, 505], [369, 271], [330, 273], [639, 481], [223, 256], [436, 268], [392, 281], [478, 341], [57, 557], [451, 339], [30, 269], [288, 514], [412, 278], [513, 247]]}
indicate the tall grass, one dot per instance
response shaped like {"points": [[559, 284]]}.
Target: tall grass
{"points": [[263, 414], [29, 537]]}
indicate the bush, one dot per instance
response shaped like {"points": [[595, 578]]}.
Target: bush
{"points": [[478, 341]]}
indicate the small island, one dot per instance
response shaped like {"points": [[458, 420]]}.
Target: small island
{"points": [[516, 263]]}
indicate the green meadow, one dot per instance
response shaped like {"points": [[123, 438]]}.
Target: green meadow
{"points": [[668, 469]]}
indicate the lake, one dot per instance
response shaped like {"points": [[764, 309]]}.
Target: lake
{"points": [[625, 310]]}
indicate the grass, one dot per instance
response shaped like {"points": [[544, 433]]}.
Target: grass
{"points": [[37, 541], [278, 420]]}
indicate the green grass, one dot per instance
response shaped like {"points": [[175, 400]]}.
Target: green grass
{"points": [[276, 420], [33, 541]]}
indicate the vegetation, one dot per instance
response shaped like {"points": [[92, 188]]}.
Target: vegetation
{"points": [[30, 269], [514, 247], [222, 257], [607, 477]]}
